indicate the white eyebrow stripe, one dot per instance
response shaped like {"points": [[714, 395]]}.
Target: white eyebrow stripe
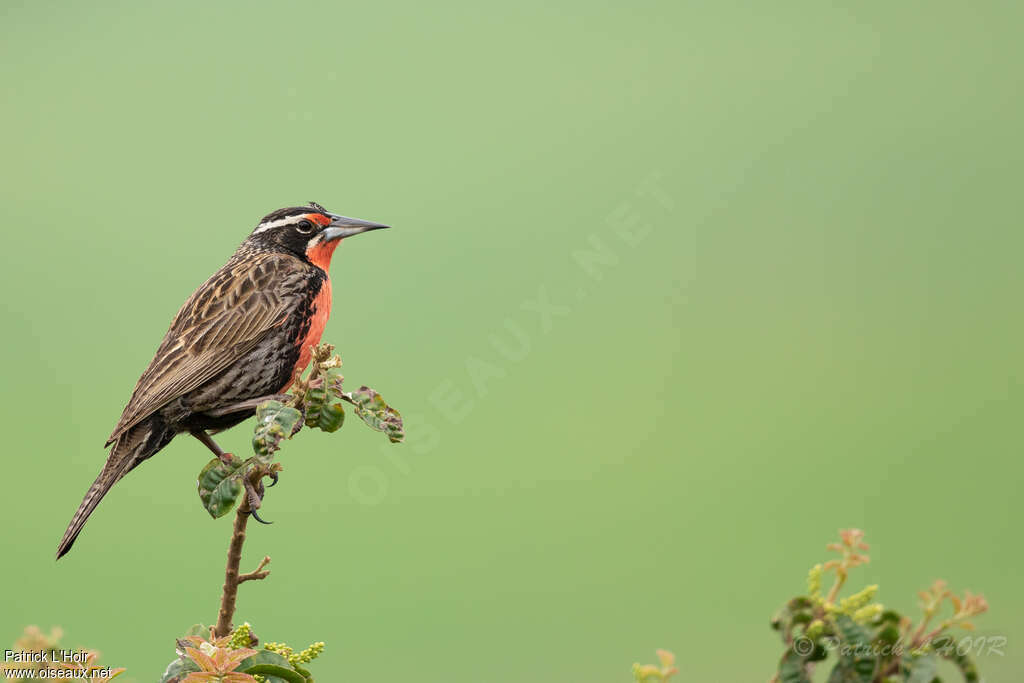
{"points": [[280, 222]]}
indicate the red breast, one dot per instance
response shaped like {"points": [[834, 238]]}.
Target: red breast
{"points": [[320, 256]]}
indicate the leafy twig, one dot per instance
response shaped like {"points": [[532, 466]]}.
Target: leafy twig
{"points": [[873, 644], [315, 401]]}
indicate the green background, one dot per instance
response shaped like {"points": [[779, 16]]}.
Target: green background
{"points": [[783, 248]]}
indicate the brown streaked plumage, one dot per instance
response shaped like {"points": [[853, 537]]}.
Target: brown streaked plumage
{"points": [[242, 335]]}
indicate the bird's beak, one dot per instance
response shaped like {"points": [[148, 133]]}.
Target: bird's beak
{"points": [[343, 226]]}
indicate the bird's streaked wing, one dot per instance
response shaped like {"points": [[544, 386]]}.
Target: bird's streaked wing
{"points": [[222, 321]]}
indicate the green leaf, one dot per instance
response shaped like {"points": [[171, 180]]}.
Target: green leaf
{"points": [[819, 653], [887, 627], [219, 486], [321, 411], [178, 669], [274, 421], [793, 669], [796, 611], [265, 657], [921, 669], [856, 662], [888, 634], [851, 632], [843, 672], [371, 409], [201, 630], [314, 400], [267, 663], [946, 646], [332, 416], [889, 616], [290, 675]]}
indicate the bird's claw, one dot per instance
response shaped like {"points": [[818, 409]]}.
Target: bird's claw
{"points": [[273, 477], [257, 517], [254, 494]]}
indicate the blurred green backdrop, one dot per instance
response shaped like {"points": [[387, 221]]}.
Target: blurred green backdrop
{"points": [[675, 291]]}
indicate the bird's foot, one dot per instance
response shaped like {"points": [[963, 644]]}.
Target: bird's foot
{"points": [[254, 497], [254, 490]]}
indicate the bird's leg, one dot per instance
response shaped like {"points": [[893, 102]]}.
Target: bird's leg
{"points": [[254, 496], [253, 485], [208, 441]]}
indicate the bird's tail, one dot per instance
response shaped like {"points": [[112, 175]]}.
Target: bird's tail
{"points": [[130, 449]]}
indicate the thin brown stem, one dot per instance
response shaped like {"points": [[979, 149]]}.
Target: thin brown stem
{"points": [[928, 637], [231, 576], [834, 592], [916, 640], [230, 591]]}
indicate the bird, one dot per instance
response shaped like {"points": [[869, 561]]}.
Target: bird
{"points": [[245, 334]]}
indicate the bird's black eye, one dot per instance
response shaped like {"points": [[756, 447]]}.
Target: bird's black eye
{"points": [[305, 227]]}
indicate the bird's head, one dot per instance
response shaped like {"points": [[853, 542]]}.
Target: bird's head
{"points": [[310, 232]]}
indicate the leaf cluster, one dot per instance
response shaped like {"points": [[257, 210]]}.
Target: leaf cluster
{"points": [[316, 401], [656, 673], [870, 644], [236, 659]]}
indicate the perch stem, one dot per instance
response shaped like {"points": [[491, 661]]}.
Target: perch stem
{"points": [[232, 578], [230, 592]]}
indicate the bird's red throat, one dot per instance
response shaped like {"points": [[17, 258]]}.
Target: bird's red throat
{"points": [[320, 256]]}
